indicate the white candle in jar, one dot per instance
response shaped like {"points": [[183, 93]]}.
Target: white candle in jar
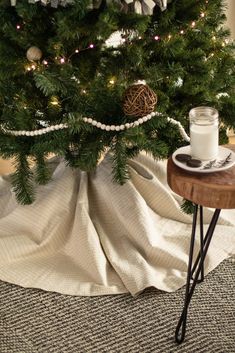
{"points": [[204, 141], [204, 135]]}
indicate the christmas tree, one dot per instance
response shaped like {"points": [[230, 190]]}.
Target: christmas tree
{"points": [[71, 77]]}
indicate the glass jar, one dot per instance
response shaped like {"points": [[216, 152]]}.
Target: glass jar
{"points": [[204, 133]]}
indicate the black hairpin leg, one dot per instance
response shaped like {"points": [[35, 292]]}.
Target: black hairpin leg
{"points": [[198, 267], [202, 242]]}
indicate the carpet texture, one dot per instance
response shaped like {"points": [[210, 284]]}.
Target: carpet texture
{"points": [[35, 321]]}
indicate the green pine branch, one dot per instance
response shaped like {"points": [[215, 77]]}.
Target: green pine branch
{"points": [[188, 207], [119, 162], [22, 180]]}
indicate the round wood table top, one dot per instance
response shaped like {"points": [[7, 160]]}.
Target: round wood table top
{"points": [[216, 190]]}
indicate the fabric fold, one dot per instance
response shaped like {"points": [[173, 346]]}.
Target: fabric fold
{"points": [[86, 235]]}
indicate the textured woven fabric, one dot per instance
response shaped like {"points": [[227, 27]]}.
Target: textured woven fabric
{"points": [[86, 235], [35, 321]]}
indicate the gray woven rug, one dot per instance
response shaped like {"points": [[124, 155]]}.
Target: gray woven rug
{"points": [[35, 321]]}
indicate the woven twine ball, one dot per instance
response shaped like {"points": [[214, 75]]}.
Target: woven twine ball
{"points": [[139, 100], [34, 54]]}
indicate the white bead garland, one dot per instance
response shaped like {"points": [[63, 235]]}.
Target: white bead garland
{"points": [[180, 127], [99, 125]]}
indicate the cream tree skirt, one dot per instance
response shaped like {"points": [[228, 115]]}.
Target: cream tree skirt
{"points": [[85, 235]]}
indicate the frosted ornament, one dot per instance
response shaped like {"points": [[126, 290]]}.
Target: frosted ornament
{"points": [[34, 54]]}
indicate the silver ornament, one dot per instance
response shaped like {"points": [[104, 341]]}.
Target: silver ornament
{"points": [[162, 4], [142, 7], [53, 3]]}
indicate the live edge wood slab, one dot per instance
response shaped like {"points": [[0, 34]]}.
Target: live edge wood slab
{"points": [[216, 190]]}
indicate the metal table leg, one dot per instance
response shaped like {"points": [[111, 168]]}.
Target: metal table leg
{"points": [[197, 269]]}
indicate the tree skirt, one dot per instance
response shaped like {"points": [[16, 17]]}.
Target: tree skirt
{"points": [[86, 235]]}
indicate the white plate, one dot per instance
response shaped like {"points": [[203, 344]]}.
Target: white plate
{"points": [[223, 154]]}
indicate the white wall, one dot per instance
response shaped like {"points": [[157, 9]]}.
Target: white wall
{"points": [[230, 12]]}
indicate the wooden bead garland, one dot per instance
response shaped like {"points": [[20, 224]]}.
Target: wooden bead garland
{"points": [[99, 125], [139, 100]]}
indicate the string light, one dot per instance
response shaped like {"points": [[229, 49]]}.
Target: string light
{"points": [[30, 67], [112, 81], [54, 101], [63, 60]]}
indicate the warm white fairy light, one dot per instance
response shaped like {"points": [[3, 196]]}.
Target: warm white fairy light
{"points": [[63, 60], [54, 101], [30, 67], [157, 38]]}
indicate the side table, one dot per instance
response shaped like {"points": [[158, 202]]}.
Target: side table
{"points": [[214, 190]]}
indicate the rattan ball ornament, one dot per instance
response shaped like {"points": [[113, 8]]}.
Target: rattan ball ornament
{"points": [[139, 100], [34, 54]]}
